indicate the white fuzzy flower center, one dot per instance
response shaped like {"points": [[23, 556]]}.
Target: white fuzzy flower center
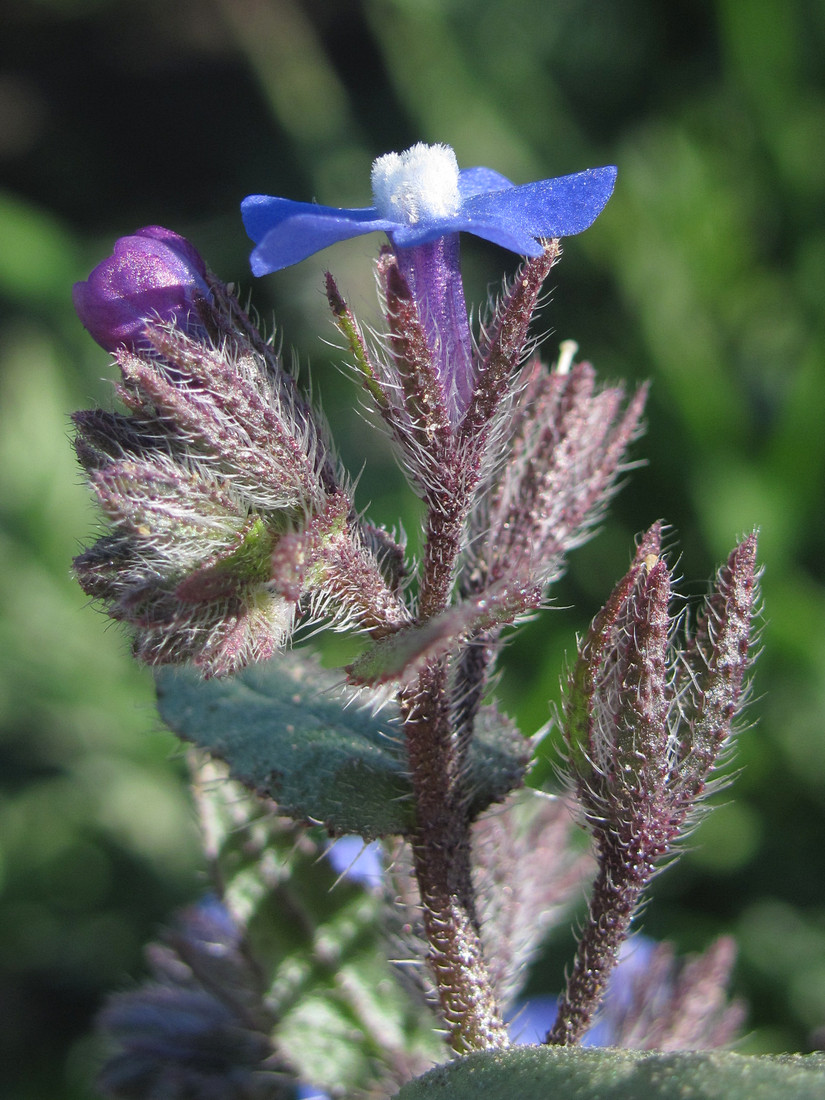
{"points": [[418, 185]]}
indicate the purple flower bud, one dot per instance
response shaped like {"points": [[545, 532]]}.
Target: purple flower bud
{"points": [[154, 275], [218, 481]]}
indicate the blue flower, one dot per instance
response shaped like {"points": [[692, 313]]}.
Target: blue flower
{"points": [[531, 1020], [356, 860], [422, 201], [421, 195]]}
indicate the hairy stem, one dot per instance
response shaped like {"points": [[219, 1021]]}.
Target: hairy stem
{"points": [[440, 551], [441, 841], [441, 855], [617, 891]]}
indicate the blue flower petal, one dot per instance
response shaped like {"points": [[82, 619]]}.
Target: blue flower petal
{"points": [[491, 207], [516, 240], [356, 860], [550, 208], [478, 181], [530, 1020], [286, 232]]}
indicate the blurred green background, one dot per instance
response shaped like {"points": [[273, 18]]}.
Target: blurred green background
{"points": [[706, 274]]}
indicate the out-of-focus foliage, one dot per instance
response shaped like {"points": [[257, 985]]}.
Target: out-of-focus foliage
{"points": [[706, 274], [320, 945]]}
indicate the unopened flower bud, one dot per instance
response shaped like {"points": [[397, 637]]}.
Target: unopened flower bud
{"points": [[646, 722], [229, 516], [154, 275], [616, 704], [645, 725]]}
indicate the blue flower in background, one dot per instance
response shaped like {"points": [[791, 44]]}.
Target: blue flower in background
{"points": [[356, 860], [421, 195]]}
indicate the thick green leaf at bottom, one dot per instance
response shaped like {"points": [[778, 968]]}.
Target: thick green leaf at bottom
{"points": [[547, 1073]]}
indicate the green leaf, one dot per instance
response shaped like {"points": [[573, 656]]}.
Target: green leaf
{"points": [[343, 1019], [286, 732], [286, 736], [398, 657], [541, 1073], [497, 760]]}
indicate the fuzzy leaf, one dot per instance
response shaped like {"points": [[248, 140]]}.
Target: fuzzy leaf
{"points": [[536, 1073], [399, 656], [287, 737], [497, 759], [287, 733]]}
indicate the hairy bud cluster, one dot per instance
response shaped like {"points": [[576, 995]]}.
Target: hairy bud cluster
{"points": [[225, 506], [646, 723], [645, 726]]}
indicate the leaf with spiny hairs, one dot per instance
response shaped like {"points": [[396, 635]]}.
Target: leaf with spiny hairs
{"points": [[346, 322], [289, 734], [504, 343], [584, 677], [497, 760], [536, 1073], [712, 677], [424, 399], [398, 657]]}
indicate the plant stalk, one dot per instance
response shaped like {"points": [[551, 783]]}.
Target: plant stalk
{"points": [[442, 862], [441, 841], [617, 891]]}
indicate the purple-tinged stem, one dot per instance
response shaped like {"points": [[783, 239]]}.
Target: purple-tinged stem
{"points": [[441, 855], [443, 541], [441, 841], [617, 891]]}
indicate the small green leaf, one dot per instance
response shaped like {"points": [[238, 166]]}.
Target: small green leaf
{"points": [[541, 1073], [287, 733], [398, 657], [497, 759], [346, 322]]}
